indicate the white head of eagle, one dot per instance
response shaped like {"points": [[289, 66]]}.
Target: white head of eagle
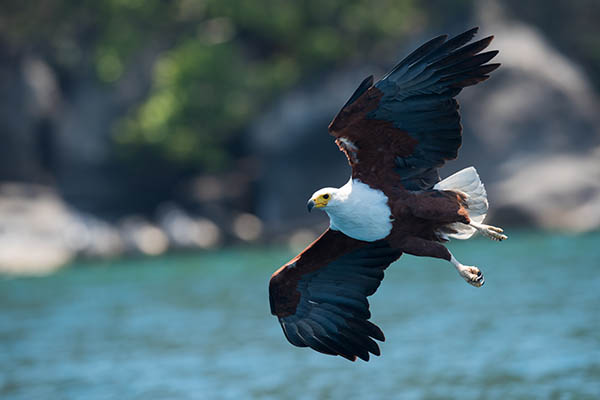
{"points": [[356, 209]]}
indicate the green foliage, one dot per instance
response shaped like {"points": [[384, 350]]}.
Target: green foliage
{"points": [[216, 63], [230, 58]]}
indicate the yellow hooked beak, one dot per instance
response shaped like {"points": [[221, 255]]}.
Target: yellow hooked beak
{"points": [[318, 202]]}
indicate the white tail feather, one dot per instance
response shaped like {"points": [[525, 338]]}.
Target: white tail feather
{"points": [[468, 182]]}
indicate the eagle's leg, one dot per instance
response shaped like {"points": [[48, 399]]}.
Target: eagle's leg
{"points": [[427, 248], [489, 231]]}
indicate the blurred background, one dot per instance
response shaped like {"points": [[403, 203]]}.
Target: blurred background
{"points": [[170, 147], [142, 126]]}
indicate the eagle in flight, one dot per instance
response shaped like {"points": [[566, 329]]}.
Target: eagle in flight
{"points": [[396, 133]]}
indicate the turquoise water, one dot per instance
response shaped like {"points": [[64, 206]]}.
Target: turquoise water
{"points": [[199, 327]]}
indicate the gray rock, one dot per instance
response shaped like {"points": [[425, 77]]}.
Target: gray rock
{"points": [[39, 232]]}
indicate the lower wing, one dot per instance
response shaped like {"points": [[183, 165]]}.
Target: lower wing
{"points": [[320, 297]]}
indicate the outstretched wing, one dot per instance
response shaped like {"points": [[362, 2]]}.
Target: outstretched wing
{"points": [[406, 126], [320, 297]]}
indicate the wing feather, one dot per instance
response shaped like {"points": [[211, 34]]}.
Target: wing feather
{"points": [[320, 297], [399, 131]]}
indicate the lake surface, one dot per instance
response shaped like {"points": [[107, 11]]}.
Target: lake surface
{"points": [[199, 327]]}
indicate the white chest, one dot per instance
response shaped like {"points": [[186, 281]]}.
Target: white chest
{"points": [[361, 212]]}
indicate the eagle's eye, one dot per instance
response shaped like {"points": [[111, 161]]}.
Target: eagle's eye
{"points": [[325, 196]]}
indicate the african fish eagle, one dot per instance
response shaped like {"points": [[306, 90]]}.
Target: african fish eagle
{"points": [[396, 133]]}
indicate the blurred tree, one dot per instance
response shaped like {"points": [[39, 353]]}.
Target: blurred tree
{"points": [[236, 57], [215, 64]]}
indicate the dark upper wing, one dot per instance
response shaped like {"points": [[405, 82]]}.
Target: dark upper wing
{"points": [[402, 129], [320, 297]]}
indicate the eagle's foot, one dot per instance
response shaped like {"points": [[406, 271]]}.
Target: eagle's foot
{"points": [[491, 232], [472, 275]]}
